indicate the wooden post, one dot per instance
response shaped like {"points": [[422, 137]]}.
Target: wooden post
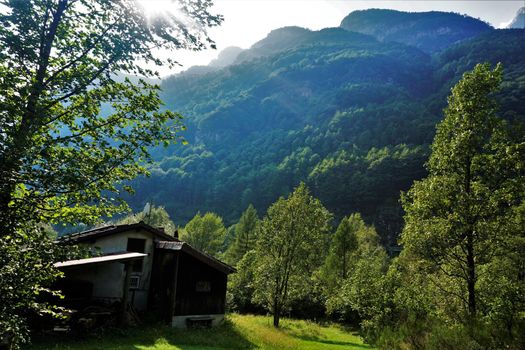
{"points": [[125, 293], [173, 294]]}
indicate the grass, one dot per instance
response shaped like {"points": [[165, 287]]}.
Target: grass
{"points": [[238, 332]]}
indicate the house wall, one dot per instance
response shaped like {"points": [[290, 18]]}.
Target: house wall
{"points": [[108, 279], [201, 289]]}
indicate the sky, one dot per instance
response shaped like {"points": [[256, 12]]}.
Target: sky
{"points": [[247, 21]]}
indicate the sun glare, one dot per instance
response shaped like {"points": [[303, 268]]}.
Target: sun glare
{"points": [[155, 8]]}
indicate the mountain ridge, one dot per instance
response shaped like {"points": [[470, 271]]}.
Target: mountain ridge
{"points": [[429, 31]]}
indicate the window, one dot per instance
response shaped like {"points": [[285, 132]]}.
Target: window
{"points": [[136, 245], [203, 286]]}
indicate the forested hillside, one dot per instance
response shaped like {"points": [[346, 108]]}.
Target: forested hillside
{"points": [[350, 114], [428, 31]]}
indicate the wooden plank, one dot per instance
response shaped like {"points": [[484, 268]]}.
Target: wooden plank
{"points": [[125, 293], [173, 297]]}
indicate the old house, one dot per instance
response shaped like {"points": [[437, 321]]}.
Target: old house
{"points": [[145, 270]]}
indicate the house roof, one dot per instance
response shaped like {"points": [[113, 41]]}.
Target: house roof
{"points": [[102, 259], [205, 258], [109, 230], [164, 241]]}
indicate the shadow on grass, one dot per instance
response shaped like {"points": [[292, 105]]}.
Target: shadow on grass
{"points": [[225, 336], [155, 336]]}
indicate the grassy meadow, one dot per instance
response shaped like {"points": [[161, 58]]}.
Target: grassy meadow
{"points": [[238, 332]]}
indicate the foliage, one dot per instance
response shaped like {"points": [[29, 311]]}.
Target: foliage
{"points": [[153, 216], [461, 234], [337, 265], [290, 242], [72, 129], [245, 236], [361, 294], [55, 139], [26, 261], [242, 283], [205, 233]]}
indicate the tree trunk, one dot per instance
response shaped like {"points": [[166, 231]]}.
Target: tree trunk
{"points": [[471, 277], [276, 311], [471, 266], [276, 318]]}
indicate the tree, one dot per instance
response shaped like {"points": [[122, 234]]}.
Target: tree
{"points": [[205, 232], [72, 127], [245, 235], [363, 292], [290, 243], [352, 274], [458, 220], [153, 216], [241, 283], [344, 243]]}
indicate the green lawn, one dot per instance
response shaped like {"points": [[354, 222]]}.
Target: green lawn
{"points": [[238, 332]]}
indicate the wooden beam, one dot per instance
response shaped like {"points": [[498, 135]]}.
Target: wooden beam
{"points": [[173, 294], [125, 294]]}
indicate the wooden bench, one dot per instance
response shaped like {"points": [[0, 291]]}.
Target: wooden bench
{"points": [[199, 322]]}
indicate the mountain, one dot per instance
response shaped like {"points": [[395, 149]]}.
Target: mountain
{"points": [[226, 57], [519, 21], [350, 114], [428, 31], [277, 40]]}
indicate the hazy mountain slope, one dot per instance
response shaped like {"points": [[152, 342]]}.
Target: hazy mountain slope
{"points": [[519, 21], [226, 57], [428, 31], [290, 83]]}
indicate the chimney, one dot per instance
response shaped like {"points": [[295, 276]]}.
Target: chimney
{"points": [[176, 234]]}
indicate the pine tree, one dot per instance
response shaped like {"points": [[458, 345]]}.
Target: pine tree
{"points": [[245, 235]]}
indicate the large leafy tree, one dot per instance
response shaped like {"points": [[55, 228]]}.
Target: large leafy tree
{"points": [[71, 126], [291, 241], [462, 221]]}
